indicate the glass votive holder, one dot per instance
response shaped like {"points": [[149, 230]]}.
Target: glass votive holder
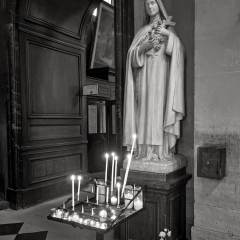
{"points": [[75, 217], [86, 221], [128, 196], [53, 210], [113, 200], [103, 215], [101, 190], [97, 225], [92, 223], [103, 226], [65, 214], [80, 220], [59, 213], [138, 201]]}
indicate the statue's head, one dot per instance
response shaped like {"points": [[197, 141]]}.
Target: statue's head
{"points": [[152, 8]]}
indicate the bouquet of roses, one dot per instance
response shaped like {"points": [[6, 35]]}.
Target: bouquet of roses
{"points": [[159, 38], [164, 234], [155, 34]]}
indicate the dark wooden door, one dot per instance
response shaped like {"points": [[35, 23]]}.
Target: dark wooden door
{"points": [[101, 133], [97, 135]]}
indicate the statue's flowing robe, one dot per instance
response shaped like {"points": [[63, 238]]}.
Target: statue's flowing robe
{"points": [[154, 93]]}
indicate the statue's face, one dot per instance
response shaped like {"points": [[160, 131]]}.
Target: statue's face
{"points": [[152, 7]]}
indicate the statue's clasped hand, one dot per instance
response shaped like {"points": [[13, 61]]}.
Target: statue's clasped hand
{"points": [[147, 45], [162, 31]]}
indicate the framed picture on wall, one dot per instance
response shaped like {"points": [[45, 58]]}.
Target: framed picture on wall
{"points": [[103, 52]]}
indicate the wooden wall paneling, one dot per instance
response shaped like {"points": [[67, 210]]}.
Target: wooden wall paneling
{"points": [[147, 218], [165, 208], [54, 81], [66, 20], [37, 132], [52, 77], [37, 194], [177, 213], [44, 167]]}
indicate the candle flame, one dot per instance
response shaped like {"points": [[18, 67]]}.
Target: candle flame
{"points": [[118, 185], [128, 156], [106, 155], [116, 158], [113, 154], [134, 136], [79, 178], [73, 177]]}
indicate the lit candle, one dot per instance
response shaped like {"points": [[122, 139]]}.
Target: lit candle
{"points": [[79, 183], [138, 201], [129, 163], [106, 155], [87, 199], [113, 200], [73, 178], [92, 223], [97, 196], [118, 196], [97, 224], [107, 197], [128, 196], [75, 217], [115, 179], [113, 155], [138, 204], [82, 209]]}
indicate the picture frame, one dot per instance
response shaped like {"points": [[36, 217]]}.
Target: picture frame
{"points": [[103, 51]]}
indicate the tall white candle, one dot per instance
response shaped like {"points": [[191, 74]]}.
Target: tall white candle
{"points": [[118, 196], [73, 178], [97, 196], [129, 163], [79, 183], [115, 178], [106, 155], [107, 195], [113, 155]]}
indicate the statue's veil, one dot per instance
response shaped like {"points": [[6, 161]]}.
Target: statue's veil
{"points": [[163, 11]]}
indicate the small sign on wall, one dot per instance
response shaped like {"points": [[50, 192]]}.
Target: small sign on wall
{"points": [[90, 89], [99, 90]]}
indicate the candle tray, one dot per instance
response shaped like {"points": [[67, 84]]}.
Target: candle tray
{"points": [[89, 215]]}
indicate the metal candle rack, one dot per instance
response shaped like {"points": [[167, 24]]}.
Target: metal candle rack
{"points": [[102, 224]]}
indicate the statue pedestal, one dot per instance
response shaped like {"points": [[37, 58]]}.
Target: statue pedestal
{"points": [[165, 204], [166, 166]]}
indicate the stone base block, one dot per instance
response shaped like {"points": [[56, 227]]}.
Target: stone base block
{"points": [[167, 166]]}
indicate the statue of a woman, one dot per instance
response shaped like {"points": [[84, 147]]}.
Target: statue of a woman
{"points": [[154, 88]]}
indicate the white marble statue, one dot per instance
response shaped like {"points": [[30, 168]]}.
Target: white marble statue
{"points": [[154, 88]]}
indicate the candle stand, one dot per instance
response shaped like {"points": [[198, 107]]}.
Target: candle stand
{"points": [[96, 216]]}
